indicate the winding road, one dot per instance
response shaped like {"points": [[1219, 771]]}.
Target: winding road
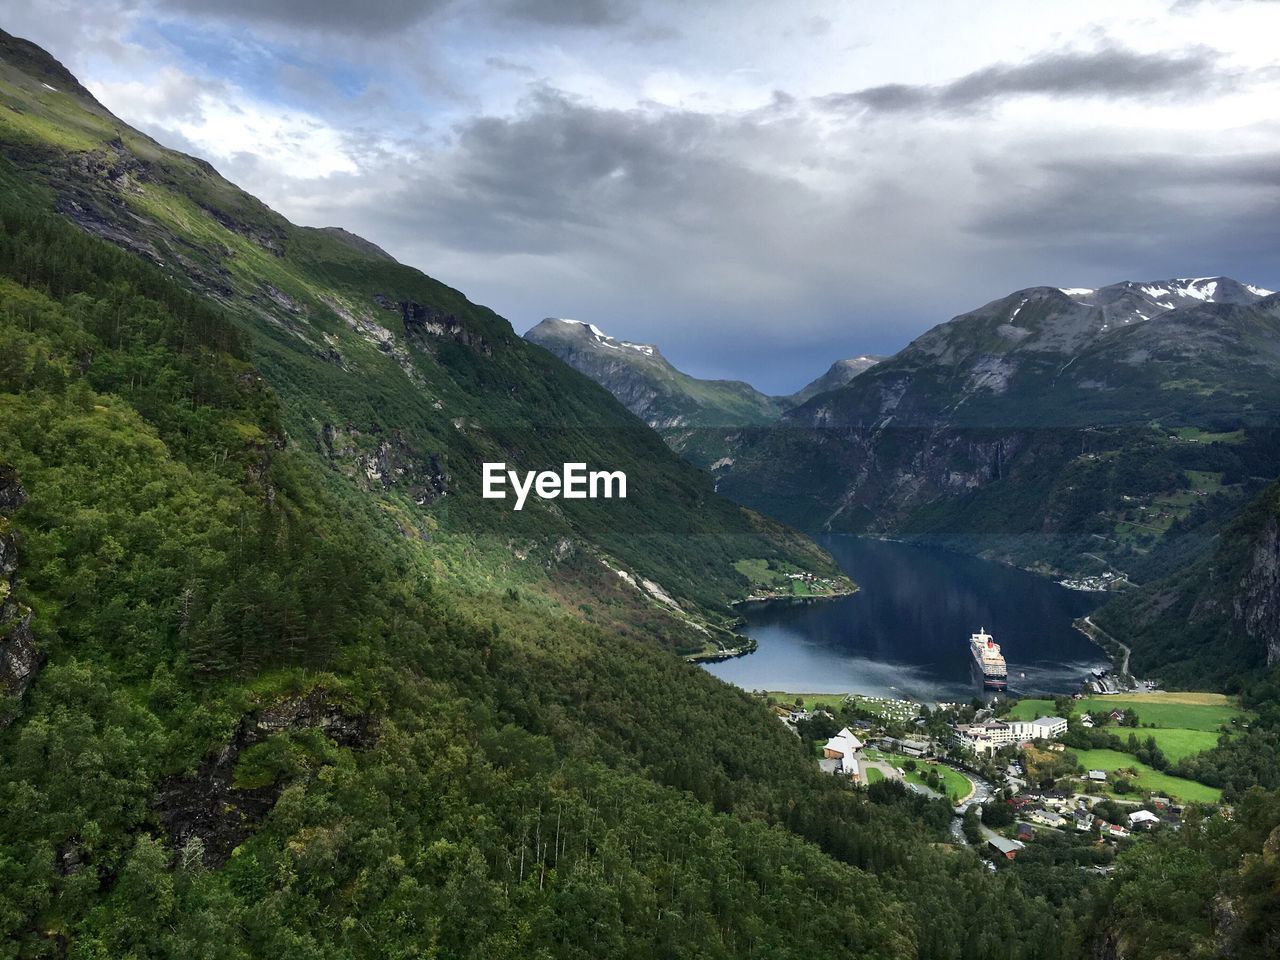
{"points": [[1093, 628]]}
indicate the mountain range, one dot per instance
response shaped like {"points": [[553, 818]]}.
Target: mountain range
{"points": [[278, 680], [666, 398], [1072, 431]]}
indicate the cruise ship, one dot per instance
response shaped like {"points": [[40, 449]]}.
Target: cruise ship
{"points": [[988, 661]]}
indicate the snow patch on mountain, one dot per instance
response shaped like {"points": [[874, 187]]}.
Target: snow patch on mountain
{"points": [[602, 338]]}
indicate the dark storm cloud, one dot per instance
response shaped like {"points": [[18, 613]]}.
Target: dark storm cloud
{"points": [[369, 19], [1112, 73], [1153, 215], [562, 168], [568, 13], [379, 18]]}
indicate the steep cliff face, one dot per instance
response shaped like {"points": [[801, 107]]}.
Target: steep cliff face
{"points": [[1255, 607], [20, 660], [1217, 618], [1117, 422]]}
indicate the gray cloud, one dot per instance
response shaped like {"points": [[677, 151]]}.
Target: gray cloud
{"points": [[509, 66], [562, 170], [1112, 73], [369, 18], [755, 242], [1142, 215], [568, 13], [678, 226], [380, 18]]}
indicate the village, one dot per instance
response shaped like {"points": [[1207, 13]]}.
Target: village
{"points": [[1010, 781]]}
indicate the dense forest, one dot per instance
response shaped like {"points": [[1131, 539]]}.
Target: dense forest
{"points": [[274, 709], [399, 768]]}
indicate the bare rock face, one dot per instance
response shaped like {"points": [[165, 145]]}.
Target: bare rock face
{"points": [[1256, 607], [383, 463], [20, 659], [422, 322], [207, 813]]}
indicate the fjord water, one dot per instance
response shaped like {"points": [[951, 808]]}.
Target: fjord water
{"points": [[906, 632]]}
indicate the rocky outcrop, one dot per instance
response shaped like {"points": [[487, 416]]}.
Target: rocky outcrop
{"points": [[1256, 606], [424, 321], [385, 462], [20, 659], [208, 808], [269, 236]]}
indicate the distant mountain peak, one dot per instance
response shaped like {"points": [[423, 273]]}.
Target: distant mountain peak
{"points": [[1168, 294], [837, 375], [564, 326]]}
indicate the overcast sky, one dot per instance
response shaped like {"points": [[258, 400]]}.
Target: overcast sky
{"points": [[759, 188]]}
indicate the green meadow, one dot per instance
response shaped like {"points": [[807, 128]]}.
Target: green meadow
{"points": [[1182, 725], [1163, 713], [1146, 778]]}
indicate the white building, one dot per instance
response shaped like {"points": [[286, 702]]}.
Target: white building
{"points": [[1048, 818], [1141, 819], [844, 749], [994, 734]]}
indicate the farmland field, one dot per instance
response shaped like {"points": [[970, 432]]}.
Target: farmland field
{"points": [[1182, 724], [1174, 743], [1147, 778], [1165, 712]]}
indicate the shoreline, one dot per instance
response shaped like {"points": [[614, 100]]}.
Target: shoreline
{"points": [[792, 599], [750, 644]]}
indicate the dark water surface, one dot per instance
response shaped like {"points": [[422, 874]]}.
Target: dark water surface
{"points": [[906, 632]]}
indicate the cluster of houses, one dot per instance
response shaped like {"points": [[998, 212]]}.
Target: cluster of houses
{"points": [[1088, 719], [991, 735], [1063, 812], [843, 756]]}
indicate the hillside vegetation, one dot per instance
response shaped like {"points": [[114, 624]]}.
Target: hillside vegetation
{"points": [[402, 387], [299, 700]]}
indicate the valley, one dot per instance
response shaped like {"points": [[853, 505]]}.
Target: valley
{"points": [[904, 633], [337, 620]]}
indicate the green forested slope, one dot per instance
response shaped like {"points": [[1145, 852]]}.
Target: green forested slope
{"points": [[1217, 620], [301, 697], [399, 384], [397, 766]]}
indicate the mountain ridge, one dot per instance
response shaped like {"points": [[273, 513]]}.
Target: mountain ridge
{"points": [[1072, 432], [398, 382], [666, 398]]}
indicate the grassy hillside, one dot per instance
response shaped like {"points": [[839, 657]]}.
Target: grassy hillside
{"points": [[266, 726], [401, 386], [284, 713]]}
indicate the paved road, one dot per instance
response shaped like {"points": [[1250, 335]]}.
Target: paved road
{"points": [[1124, 666]]}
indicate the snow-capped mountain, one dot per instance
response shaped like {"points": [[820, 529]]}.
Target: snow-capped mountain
{"points": [[1066, 319], [576, 327], [665, 397], [1036, 414]]}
